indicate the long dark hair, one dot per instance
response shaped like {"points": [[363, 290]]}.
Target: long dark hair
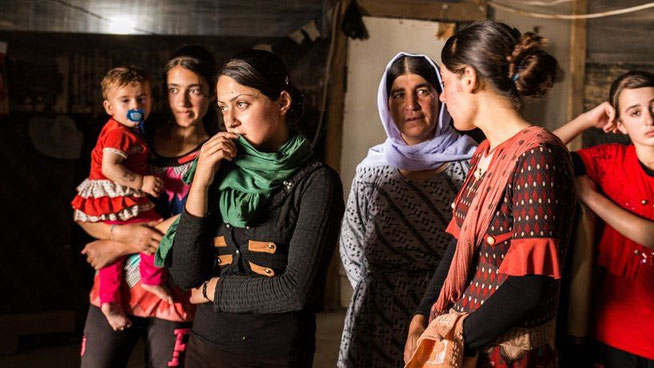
{"points": [[412, 65], [198, 60], [513, 64], [266, 73]]}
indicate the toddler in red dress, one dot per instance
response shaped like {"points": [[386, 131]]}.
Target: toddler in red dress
{"points": [[116, 190]]}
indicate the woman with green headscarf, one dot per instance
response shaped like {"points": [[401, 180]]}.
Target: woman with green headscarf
{"points": [[259, 227]]}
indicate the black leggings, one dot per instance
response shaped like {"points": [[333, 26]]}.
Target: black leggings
{"points": [[103, 347], [203, 354]]}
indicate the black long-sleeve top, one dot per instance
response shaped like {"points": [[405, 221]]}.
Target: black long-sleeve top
{"points": [[271, 273]]}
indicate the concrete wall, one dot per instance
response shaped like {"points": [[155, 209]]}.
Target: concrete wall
{"points": [[551, 110]]}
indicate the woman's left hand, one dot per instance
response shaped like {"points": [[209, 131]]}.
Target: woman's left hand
{"points": [[196, 293], [416, 328]]}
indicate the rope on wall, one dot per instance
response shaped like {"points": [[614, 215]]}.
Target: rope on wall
{"points": [[570, 16], [546, 3]]}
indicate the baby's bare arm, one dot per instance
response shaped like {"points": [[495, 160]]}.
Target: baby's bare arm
{"points": [[114, 170]]}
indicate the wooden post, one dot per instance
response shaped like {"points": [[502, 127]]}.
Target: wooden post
{"points": [[334, 135], [336, 93], [577, 67]]}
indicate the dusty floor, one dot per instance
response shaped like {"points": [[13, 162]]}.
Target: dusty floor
{"points": [[328, 337]]}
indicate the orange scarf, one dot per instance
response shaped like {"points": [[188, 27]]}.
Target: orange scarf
{"points": [[482, 208]]}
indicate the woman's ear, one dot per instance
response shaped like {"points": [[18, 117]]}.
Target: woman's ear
{"points": [[284, 102], [470, 82], [621, 127]]}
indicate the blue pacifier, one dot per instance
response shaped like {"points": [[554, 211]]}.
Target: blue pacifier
{"points": [[137, 116]]}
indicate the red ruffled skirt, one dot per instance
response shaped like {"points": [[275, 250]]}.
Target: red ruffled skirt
{"points": [[103, 200]]}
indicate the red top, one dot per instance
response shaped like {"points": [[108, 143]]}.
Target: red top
{"points": [[123, 141], [624, 309], [100, 199], [136, 301]]}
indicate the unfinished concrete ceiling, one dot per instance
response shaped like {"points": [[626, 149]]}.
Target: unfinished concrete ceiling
{"points": [[256, 18]]}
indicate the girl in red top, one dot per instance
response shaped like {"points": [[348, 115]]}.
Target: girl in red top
{"points": [[619, 188], [115, 191]]}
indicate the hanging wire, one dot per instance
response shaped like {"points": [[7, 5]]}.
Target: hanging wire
{"points": [[96, 15], [328, 67], [546, 3], [569, 16]]}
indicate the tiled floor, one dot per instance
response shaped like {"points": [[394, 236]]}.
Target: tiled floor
{"points": [[328, 337]]}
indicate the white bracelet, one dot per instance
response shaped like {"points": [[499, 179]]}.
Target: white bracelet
{"points": [[111, 231]]}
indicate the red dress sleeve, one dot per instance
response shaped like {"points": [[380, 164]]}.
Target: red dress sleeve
{"points": [[118, 140], [542, 203]]}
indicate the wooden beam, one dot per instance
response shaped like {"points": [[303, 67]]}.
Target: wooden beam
{"points": [[336, 95], [334, 136], [577, 67], [425, 9]]}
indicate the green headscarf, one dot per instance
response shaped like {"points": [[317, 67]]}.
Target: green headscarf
{"points": [[246, 187]]}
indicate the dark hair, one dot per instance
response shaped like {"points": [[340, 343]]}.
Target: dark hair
{"points": [[122, 76], [412, 65], [513, 64], [266, 73], [629, 80], [198, 60]]}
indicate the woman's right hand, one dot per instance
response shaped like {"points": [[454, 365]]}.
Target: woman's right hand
{"points": [[220, 146], [602, 116], [101, 253], [416, 328], [142, 238]]}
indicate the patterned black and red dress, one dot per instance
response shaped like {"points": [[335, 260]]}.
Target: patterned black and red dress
{"points": [[527, 238]]}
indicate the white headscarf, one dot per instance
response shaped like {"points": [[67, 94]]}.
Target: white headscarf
{"points": [[446, 145]]}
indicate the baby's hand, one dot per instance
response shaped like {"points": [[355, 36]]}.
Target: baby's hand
{"points": [[152, 185]]}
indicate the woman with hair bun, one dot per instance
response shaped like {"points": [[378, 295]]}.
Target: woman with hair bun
{"points": [[493, 299]]}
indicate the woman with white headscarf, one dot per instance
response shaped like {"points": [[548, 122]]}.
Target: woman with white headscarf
{"points": [[393, 233]]}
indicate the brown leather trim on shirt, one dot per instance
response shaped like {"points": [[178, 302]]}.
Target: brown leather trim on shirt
{"points": [[225, 259], [266, 271], [262, 246], [219, 241]]}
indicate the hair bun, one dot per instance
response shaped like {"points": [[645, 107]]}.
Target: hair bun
{"points": [[531, 68]]}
